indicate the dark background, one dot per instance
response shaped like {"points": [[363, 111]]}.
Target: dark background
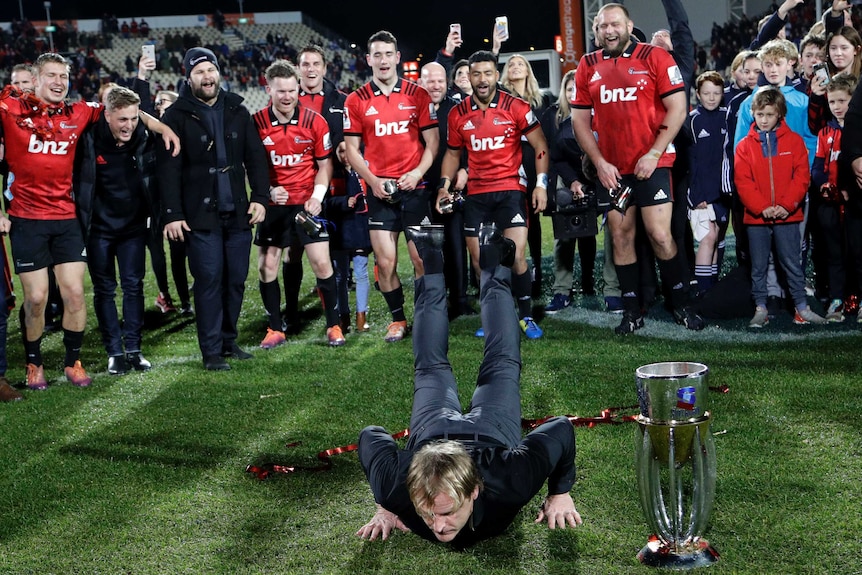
{"points": [[421, 27]]}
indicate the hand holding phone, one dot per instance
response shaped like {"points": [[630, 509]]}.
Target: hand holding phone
{"points": [[821, 72], [453, 40], [501, 26]]}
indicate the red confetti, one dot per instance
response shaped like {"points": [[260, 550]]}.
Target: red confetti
{"points": [[609, 416]]}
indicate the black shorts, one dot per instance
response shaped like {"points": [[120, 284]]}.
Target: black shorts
{"points": [[279, 229], [652, 192], [38, 244], [413, 209], [506, 209]]}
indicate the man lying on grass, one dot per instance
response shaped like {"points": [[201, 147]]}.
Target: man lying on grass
{"points": [[465, 477]]}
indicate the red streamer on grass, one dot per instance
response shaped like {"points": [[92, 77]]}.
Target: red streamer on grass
{"points": [[609, 416]]}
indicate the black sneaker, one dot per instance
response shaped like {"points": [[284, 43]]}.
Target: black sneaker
{"points": [[632, 321], [117, 365], [689, 318], [236, 352], [215, 363], [138, 361]]}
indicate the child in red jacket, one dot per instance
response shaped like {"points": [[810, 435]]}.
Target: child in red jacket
{"points": [[772, 176]]}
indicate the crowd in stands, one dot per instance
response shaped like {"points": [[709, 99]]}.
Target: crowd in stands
{"points": [[242, 68]]}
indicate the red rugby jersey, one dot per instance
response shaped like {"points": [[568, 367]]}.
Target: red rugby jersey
{"points": [[390, 126], [626, 96], [42, 189], [492, 138], [293, 150], [311, 100]]}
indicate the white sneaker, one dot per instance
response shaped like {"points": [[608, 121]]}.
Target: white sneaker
{"points": [[835, 312], [806, 316], [760, 319]]}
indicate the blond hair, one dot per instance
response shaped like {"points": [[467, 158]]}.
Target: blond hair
{"points": [[442, 466], [532, 93]]}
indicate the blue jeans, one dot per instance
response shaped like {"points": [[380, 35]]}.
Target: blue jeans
{"points": [[495, 410], [218, 260], [129, 255], [786, 239], [341, 260]]}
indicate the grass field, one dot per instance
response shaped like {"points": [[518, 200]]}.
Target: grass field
{"points": [[146, 473]]}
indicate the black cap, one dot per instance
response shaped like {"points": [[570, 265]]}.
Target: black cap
{"points": [[195, 56]]}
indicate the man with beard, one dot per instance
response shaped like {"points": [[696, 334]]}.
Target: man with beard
{"points": [[300, 168], [396, 121], [633, 96], [205, 202], [489, 125]]}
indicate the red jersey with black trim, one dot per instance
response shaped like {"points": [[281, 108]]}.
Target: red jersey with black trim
{"points": [[311, 100], [828, 149], [293, 150], [41, 154], [390, 126], [626, 95], [492, 138]]}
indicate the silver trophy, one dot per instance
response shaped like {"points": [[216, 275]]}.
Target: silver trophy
{"points": [[675, 464], [393, 192]]}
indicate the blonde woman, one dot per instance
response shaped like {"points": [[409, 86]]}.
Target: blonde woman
{"points": [[518, 79]]}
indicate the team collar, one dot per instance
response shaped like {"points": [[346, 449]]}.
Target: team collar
{"points": [[304, 93], [377, 91], [273, 119], [493, 104], [627, 53]]}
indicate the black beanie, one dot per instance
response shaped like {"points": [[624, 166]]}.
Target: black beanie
{"points": [[195, 56]]}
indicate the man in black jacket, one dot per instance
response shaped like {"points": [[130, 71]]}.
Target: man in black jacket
{"points": [[465, 477], [115, 163], [433, 78], [205, 202]]}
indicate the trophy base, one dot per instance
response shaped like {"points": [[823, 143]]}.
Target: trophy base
{"points": [[690, 556]]}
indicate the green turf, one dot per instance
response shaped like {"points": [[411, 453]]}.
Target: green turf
{"points": [[145, 473]]}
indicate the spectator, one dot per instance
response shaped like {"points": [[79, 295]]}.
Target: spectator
{"points": [[566, 169], [164, 302], [518, 78], [772, 177], [347, 209], [830, 203], [433, 78], [750, 69], [708, 212]]}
